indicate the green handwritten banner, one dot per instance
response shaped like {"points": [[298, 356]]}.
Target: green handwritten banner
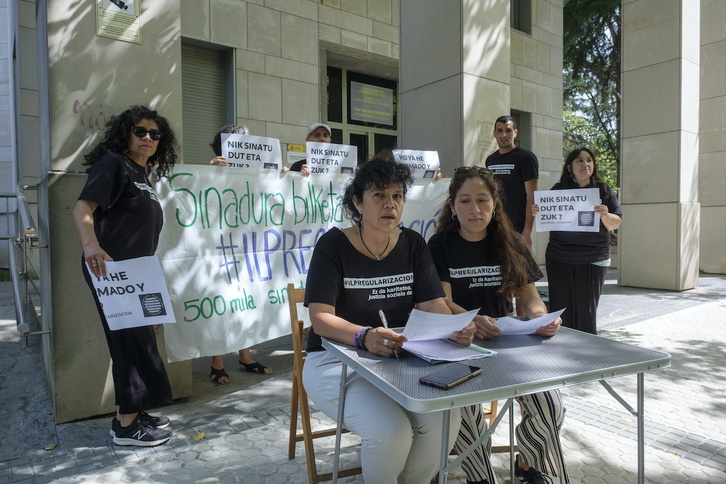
{"points": [[232, 241]]}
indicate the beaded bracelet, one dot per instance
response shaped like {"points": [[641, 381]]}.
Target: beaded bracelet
{"points": [[358, 341], [363, 337]]}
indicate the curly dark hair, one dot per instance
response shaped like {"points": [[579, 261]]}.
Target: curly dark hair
{"points": [[380, 172], [566, 176], [512, 252], [116, 139]]}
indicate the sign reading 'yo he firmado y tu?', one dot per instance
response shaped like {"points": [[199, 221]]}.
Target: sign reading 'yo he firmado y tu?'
{"points": [[251, 152], [133, 293], [423, 164]]}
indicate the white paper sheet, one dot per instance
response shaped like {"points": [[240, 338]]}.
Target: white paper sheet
{"points": [[134, 293], [567, 210], [438, 350], [422, 325], [427, 332], [511, 325]]}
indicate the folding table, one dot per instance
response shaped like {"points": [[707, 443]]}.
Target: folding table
{"points": [[523, 364]]}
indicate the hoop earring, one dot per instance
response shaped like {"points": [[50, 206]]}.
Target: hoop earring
{"points": [[494, 212], [453, 216]]}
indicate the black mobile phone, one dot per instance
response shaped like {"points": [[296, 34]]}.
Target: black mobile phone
{"points": [[450, 376]]}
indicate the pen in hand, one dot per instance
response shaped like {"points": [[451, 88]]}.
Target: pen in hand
{"points": [[385, 325]]}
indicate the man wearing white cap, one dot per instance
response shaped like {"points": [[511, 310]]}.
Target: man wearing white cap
{"points": [[317, 133]]}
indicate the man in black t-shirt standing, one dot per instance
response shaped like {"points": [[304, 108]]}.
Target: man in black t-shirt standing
{"points": [[518, 170]]}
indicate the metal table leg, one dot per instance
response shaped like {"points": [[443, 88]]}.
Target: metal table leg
{"points": [[641, 431], [339, 426], [443, 471], [511, 443]]}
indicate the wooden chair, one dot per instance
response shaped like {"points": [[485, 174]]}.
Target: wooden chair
{"points": [[491, 414], [299, 399]]}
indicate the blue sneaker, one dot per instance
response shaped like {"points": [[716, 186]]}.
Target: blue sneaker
{"points": [[156, 422]]}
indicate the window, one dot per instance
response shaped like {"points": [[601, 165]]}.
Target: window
{"points": [[523, 121], [362, 111], [520, 15], [205, 86]]}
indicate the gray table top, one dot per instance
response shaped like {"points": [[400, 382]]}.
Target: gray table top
{"points": [[523, 364]]}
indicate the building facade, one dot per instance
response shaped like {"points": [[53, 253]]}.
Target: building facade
{"points": [[452, 67]]}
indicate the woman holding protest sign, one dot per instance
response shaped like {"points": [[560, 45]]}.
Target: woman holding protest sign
{"points": [[483, 262], [355, 272], [245, 360], [118, 217], [577, 262]]}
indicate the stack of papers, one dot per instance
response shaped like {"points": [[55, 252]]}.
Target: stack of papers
{"points": [[428, 334]]}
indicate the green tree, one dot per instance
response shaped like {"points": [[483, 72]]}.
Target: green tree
{"points": [[591, 78]]}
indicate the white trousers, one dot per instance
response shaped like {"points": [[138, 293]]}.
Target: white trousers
{"points": [[398, 446]]}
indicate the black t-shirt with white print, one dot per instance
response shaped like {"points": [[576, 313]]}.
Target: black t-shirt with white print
{"points": [[513, 169], [128, 219], [472, 269], [358, 286]]}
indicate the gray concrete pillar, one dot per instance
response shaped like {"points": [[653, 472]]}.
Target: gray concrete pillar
{"points": [[712, 162], [660, 144], [454, 77]]}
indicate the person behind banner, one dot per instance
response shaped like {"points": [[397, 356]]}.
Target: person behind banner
{"points": [[245, 360], [316, 133], [355, 272], [483, 263], [216, 146], [118, 217], [577, 262]]}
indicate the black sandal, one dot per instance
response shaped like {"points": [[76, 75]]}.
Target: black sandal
{"points": [[255, 367], [215, 375]]}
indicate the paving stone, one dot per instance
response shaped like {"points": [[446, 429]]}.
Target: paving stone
{"points": [[246, 423]]}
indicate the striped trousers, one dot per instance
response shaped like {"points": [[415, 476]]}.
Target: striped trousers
{"points": [[538, 437]]}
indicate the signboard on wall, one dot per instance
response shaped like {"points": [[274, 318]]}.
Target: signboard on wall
{"points": [[371, 104], [119, 19]]}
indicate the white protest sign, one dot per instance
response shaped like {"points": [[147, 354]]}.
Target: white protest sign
{"points": [[251, 152], [567, 210], [233, 239], [423, 164], [330, 158], [134, 293]]}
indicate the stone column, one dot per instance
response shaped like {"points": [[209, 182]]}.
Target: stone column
{"points": [[712, 140], [454, 77], [660, 232]]}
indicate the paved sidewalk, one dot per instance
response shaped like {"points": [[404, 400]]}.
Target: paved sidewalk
{"points": [[238, 432]]}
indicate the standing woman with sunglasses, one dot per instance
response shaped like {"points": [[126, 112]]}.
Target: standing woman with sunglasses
{"points": [[483, 262], [118, 217]]}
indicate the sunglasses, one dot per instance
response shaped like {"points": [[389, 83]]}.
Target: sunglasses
{"points": [[140, 132], [479, 170]]}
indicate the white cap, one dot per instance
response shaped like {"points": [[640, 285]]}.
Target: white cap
{"points": [[315, 126]]}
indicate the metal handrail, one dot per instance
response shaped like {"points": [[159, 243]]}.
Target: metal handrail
{"points": [[27, 223], [27, 232], [22, 326]]}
